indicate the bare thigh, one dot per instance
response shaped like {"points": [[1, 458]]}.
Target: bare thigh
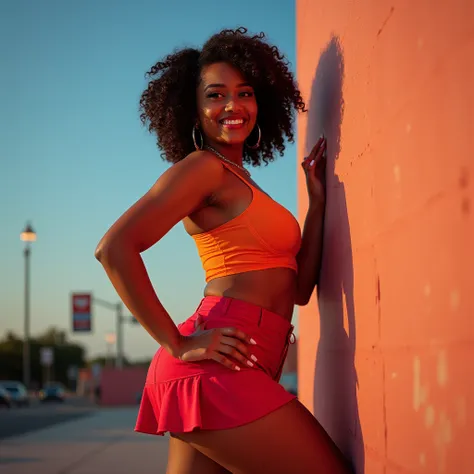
{"points": [[184, 459], [287, 441]]}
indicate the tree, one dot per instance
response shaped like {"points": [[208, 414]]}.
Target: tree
{"points": [[53, 336], [66, 354]]}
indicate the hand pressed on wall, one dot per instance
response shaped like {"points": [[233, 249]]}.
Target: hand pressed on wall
{"points": [[314, 166]]}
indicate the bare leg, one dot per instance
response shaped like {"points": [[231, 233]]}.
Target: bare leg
{"points": [[287, 441], [184, 459]]}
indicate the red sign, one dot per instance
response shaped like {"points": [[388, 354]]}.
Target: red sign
{"points": [[81, 312]]}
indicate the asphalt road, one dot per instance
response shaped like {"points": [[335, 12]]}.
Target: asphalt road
{"points": [[17, 421]]}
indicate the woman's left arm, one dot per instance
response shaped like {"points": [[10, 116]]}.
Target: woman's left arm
{"points": [[310, 255]]}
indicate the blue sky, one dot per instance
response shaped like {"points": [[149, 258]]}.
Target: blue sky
{"points": [[74, 155]]}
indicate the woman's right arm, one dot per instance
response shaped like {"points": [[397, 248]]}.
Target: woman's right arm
{"points": [[182, 189]]}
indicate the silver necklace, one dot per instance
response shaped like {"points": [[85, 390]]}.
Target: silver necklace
{"points": [[230, 162]]}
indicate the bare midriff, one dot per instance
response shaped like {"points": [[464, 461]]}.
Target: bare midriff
{"points": [[273, 289]]}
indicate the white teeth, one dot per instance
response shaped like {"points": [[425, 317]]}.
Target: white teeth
{"points": [[233, 122]]}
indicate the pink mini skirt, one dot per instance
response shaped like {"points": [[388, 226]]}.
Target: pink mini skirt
{"points": [[180, 397]]}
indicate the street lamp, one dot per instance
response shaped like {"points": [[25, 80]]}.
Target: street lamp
{"points": [[28, 235], [110, 340]]}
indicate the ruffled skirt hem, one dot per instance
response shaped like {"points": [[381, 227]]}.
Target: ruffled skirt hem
{"points": [[209, 402]]}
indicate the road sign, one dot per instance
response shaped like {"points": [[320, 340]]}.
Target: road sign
{"points": [[46, 356], [72, 372], [81, 312]]}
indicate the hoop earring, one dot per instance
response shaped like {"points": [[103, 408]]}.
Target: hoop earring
{"points": [[257, 145], [194, 138]]}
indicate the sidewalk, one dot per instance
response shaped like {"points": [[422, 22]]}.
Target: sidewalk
{"points": [[102, 443]]}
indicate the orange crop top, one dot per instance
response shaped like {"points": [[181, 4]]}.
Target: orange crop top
{"points": [[265, 235]]}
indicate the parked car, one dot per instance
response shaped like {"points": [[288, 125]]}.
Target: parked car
{"points": [[52, 392], [290, 382], [17, 391], [5, 399]]}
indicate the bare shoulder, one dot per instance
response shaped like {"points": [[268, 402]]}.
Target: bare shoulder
{"points": [[200, 173], [200, 161]]}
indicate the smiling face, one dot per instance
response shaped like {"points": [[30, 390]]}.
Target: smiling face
{"points": [[227, 108]]}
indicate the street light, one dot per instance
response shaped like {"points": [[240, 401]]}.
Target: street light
{"points": [[110, 340], [28, 235]]}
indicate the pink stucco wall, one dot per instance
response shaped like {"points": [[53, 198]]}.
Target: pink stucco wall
{"points": [[386, 353], [121, 387]]}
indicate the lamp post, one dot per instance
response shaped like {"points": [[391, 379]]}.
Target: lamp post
{"points": [[28, 235]]}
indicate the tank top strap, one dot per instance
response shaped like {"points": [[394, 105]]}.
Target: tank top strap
{"points": [[235, 171]]}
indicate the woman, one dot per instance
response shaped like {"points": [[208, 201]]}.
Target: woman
{"points": [[213, 384]]}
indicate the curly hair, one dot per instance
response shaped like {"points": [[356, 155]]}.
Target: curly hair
{"points": [[168, 105]]}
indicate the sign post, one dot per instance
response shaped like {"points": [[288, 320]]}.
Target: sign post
{"points": [[46, 360], [81, 312], [82, 319]]}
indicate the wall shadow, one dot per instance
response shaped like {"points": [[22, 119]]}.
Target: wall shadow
{"points": [[335, 378]]}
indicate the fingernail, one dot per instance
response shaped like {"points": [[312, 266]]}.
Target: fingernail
{"points": [[253, 358], [321, 137], [249, 363], [252, 341], [311, 163], [237, 368]]}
